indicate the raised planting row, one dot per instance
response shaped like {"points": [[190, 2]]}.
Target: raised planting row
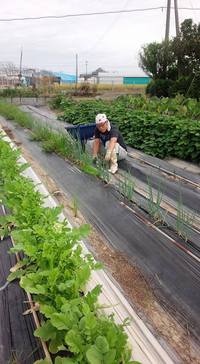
{"points": [[145, 128], [55, 271]]}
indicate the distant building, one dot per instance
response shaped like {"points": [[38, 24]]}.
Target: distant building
{"points": [[9, 75], [65, 78], [93, 75], [115, 78], [137, 80]]}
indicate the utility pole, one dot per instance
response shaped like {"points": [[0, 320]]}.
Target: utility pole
{"points": [[20, 67], [167, 20], [86, 64], [177, 33], [76, 71], [176, 17]]}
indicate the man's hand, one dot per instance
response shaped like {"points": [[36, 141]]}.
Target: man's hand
{"points": [[108, 155]]}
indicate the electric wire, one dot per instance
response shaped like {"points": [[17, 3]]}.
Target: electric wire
{"points": [[105, 33], [93, 13]]}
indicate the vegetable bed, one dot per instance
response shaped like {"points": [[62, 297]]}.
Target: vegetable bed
{"points": [[55, 271]]}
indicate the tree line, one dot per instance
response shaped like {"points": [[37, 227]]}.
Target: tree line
{"points": [[174, 65]]}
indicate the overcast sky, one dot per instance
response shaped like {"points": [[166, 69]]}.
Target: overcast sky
{"points": [[108, 41]]}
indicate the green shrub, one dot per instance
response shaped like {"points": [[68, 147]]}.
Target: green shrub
{"points": [[159, 88], [181, 86], [84, 112], [61, 102], [161, 136], [194, 89]]}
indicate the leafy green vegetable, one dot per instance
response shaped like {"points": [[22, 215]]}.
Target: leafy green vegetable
{"points": [[43, 361]]}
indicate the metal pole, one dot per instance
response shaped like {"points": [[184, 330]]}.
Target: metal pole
{"points": [[176, 17], [167, 20]]}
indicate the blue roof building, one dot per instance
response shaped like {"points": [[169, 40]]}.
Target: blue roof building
{"points": [[143, 80], [65, 78]]}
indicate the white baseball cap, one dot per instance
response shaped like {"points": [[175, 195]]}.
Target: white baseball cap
{"points": [[101, 118]]}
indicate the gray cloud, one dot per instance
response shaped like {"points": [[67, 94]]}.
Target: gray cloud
{"points": [[111, 41]]}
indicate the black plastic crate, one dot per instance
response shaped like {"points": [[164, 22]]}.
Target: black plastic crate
{"points": [[81, 132]]}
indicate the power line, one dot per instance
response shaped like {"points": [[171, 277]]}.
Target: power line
{"points": [[98, 41], [193, 11], [94, 13]]}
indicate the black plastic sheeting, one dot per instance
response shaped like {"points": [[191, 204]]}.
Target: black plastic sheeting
{"points": [[189, 196], [166, 165], [17, 343], [192, 243], [174, 274]]}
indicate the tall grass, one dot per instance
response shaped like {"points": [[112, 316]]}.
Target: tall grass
{"points": [[102, 87], [12, 112], [52, 140]]}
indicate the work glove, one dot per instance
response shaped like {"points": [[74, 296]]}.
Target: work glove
{"points": [[108, 155]]}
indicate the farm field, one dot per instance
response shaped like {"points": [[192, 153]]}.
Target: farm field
{"points": [[146, 219], [100, 182]]}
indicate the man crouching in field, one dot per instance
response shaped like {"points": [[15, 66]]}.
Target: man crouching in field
{"points": [[109, 136]]}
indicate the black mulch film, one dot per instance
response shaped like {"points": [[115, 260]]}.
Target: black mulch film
{"points": [[189, 196]]}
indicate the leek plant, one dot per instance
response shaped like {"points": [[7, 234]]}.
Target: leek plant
{"points": [[153, 204], [184, 220], [127, 186], [103, 170]]}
